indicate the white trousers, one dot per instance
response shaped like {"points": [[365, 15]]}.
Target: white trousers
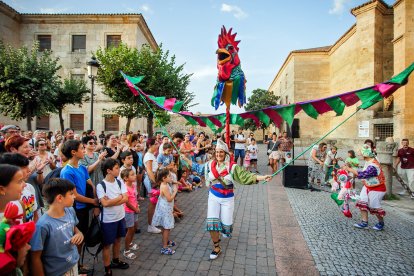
{"points": [[220, 214]]}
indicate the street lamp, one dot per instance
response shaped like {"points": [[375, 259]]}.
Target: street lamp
{"points": [[93, 66]]}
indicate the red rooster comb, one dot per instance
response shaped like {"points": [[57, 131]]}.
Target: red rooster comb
{"points": [[226, 38]]}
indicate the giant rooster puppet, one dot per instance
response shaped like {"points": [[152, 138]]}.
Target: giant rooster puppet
{"points": [[230, 87]]}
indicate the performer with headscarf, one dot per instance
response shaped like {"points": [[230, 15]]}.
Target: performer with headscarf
{"points": [[373, 190], [221, 174]]}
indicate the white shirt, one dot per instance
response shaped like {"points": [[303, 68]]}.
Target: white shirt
{"points": [[29, 200], [149, 156], [329, 157], [240, 145], [113, 213], [252, 151]]}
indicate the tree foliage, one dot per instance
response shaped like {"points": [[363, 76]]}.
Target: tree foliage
{"points": [[163, 117], [162, 78], [28, 82], [259, 99], [70, 92]]}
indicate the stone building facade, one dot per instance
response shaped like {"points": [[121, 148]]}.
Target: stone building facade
{"points": [[379, 45], [72, 38]]}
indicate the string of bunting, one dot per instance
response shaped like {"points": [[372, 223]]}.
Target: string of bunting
{"points": [[279, 113]]}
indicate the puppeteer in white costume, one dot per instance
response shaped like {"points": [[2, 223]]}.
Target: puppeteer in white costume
{"points": [[221, 175]]}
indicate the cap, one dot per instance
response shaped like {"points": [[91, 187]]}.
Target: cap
{"points": [[7, 127]]}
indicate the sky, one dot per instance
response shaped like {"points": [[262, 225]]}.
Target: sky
{"points": [[268, 30]]}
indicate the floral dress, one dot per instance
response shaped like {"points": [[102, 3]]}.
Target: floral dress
{"points": [[163, 215], [315, 170]]}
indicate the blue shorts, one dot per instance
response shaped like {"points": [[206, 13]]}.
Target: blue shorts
{"points": [[113, 230], [239, 153], [130, 219]]}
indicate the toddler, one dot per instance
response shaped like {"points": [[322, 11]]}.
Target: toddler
{"points": [[163, 215], [131, 212]]}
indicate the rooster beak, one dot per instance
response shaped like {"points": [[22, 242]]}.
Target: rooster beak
{"points": [[223, 56]]}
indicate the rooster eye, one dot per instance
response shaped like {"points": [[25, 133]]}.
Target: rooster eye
{"points": [[231, 48]]}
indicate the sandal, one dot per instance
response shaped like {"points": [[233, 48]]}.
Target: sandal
{"points": [[171, 243], [119, 265], [129, 255], [133, 246], [216, 251], [167, 251]]}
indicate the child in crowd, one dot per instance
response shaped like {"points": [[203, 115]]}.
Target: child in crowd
{"points": [[184, 184], [73, 151], [332, 169], [54, 250], [163, 215], [131, 212], [127, 161], [112, 194], [247, 162], [28, 197], [352, 162], [253, 150], [11, 187], [166, 159]]}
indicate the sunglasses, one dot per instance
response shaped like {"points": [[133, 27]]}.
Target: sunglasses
{"points": [[42, 144], [91, 143]]}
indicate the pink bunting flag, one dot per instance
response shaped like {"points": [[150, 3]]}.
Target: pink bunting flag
{"points": [[131, 87], [321, 106], [169, 103], [386, 89], [274, 116], [251, 116]]}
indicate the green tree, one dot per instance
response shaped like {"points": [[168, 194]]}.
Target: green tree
{"points": [[70, 92], [163, 118], [162, 78], [28, 82], [259, 99]]}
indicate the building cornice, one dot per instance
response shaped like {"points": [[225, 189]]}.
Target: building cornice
{"points": [[397, 3], [378, 4], [9, 11], [295, 53]]}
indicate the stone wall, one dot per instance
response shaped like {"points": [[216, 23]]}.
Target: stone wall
{"points": [[379, 45], [403, 57], [9, 25], [23, 29]]}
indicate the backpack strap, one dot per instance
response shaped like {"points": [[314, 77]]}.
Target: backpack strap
{"points": [[102, 183], [119, 184]]}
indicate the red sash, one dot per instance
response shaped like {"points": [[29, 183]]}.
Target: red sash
{"points": [[223, 173]]}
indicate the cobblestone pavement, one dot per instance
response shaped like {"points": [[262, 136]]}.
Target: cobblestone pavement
{"points": [[276, 230], [249, 252], [339, 249]]}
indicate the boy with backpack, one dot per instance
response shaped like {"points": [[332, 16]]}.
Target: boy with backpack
{"points": [[112, 195], [78, 174], [54, 243]]}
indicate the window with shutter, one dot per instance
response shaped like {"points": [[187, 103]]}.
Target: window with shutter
{"points": [[78, 43], [42, 122], [76, 121], [45, 42], [113, 41], [112, 123]]}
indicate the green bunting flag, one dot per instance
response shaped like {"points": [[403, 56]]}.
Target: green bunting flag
{"points": [[367, 96]]}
